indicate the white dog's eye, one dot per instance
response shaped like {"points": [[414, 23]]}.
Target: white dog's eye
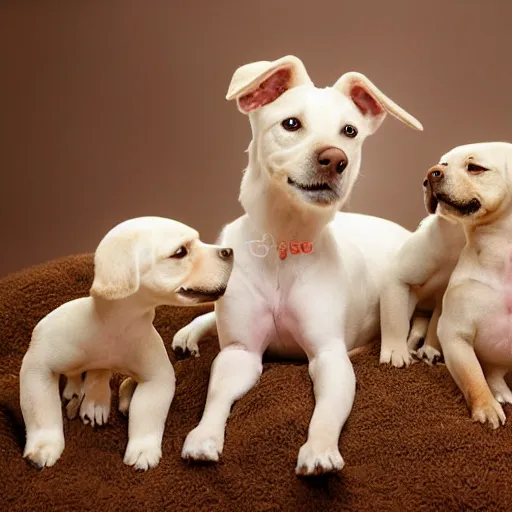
{"points": [[180, 253], [291, 124], [476, 168], [349, 131]]}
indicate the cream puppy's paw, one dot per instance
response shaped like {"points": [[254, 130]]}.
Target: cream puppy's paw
{"points": [[315, 459], [489, 412], [203, 444], [429, 354], [143, 453], [187, 340], [94, 411], [44, 448], [398, 356]]}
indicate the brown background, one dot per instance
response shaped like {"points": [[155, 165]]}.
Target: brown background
{"points": [[111, 110]]}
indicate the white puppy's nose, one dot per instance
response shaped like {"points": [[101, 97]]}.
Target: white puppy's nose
{"points": [[332, 160]]}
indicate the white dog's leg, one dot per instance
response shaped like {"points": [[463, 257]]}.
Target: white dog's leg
{"points": [[96, 397], [495, 377], [126, 390], [334, 384], [234, 372], [42, 413], [187, 339], [397, 305], [147, 415]]}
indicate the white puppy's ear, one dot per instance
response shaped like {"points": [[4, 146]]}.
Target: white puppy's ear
{"points": [[371, 102], [260, 83], [116, 268]]}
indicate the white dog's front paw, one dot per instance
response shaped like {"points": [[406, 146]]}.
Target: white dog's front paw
{"points": [[187, 340], [202, 444], [398, 355], [429, 354], [43, 448], [143, 453], [316, 460]]}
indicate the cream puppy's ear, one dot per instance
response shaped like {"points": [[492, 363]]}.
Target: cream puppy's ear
{"points": [[372, 102], [116, 268], [260, 83]]}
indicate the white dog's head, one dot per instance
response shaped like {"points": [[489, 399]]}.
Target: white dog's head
{"points": [[307, 140], [163, 260], [472, 183]]}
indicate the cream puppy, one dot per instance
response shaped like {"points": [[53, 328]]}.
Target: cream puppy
{"points": [[306, 280], [140, 264], [473, 185], [418, 276]]}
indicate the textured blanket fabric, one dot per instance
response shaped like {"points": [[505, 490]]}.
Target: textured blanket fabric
{"points": [[409, 443]]}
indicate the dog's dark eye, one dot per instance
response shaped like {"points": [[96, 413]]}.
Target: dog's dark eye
{"points": [[349, 131], [291, 124], [180, 253], [476, 168]]}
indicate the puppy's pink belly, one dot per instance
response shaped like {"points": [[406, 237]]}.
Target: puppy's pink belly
{"points": [[493, 343]]}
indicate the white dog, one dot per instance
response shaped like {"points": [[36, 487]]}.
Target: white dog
{"points": [[315, 293], [473, 185], [140, 264], [418, 276]]}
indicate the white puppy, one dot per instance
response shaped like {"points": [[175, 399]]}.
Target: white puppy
{"points": [[140, 264], [473, 185], [315, 291], [418, 276]]}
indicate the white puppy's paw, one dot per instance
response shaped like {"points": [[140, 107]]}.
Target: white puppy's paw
{"points": [[398, 355], [72, 388], [202, 444], [489, 412], [143, 453], [429, 354], [44, 448], [315, 459], [501, 391], [187, 340]]}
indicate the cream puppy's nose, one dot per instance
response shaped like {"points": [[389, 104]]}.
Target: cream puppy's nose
{"points": [[332, 160]]}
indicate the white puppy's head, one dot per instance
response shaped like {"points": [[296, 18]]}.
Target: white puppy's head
{"points": [[161, 259], [472, 183], [308, 140]]}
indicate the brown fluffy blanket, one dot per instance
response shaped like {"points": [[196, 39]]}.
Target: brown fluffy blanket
{"points": [[409, 443]]}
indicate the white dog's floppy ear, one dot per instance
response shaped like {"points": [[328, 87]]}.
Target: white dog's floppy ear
{"points": [[116, 268], [371, 101], [260, 83]]}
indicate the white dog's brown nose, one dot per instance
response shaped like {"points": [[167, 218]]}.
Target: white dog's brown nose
{"points": [[226, 254], [332, 160]]}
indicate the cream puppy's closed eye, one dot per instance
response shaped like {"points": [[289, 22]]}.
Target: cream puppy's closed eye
{"points": [[140, 264]]}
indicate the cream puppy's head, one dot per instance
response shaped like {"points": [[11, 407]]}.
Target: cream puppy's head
{"points": [[308, 140], [471, 183], [162, 260]]}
